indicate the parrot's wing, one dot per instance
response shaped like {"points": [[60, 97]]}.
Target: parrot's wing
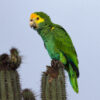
{"points": [[64, 44]]}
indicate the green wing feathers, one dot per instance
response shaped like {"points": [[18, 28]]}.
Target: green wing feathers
{"points": [[73, 79], [65, 45]]}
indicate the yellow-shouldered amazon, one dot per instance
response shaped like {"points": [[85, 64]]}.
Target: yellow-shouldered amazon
{"points": [[58, 44]]}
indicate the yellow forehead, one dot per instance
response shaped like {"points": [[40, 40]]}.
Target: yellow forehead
{"points": [[34, 16]]}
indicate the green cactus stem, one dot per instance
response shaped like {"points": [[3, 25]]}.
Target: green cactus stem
{"points": [[53, 83], [28, 95], [9, 79]]}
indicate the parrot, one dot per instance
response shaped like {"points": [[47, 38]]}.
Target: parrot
{"points": [[58, 44]]}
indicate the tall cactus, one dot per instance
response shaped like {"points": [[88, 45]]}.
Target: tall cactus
{"points": [[53, 83], [9, 78]]}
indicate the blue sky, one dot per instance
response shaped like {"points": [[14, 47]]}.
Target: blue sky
{"points": [[81, 19]]}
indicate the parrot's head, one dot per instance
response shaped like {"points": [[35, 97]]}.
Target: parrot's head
{"points": [[39, 19]]}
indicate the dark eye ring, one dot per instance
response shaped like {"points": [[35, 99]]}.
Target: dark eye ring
{"points": [[37, 18], [31, 20]]}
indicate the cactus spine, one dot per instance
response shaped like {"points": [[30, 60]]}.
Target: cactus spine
{"points": [[9, 79], [55, 89]]}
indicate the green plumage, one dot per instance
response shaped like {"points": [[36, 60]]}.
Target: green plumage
{"points": [[60, 47]]}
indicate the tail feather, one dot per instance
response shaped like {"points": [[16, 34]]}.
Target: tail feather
{"points": [[73, 78], [75, 68]]}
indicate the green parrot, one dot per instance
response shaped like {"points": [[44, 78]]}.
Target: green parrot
{"points": [[58, 44]]}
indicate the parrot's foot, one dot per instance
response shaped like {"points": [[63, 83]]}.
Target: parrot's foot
{"points": [[56, 63]]}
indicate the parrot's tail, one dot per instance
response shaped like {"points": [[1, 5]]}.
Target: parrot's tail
{"points": [[73, 78]]}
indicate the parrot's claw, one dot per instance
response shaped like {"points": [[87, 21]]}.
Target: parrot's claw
{"points": [[55, 64]]}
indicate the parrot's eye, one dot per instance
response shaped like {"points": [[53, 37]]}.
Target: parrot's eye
{"points": [[31, 20], [37, 18]]}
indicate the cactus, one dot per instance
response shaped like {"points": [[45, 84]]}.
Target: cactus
{"points": [[53, 83], [9, 78], [28, 95]]}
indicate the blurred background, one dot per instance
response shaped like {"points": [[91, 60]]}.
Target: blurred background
{"points": [[81, 19]]}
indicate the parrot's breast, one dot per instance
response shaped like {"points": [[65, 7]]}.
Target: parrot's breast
{"points": [[49, 42], [52, 50]]}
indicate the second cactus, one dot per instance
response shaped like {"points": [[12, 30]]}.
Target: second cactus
{"points": [[9, 79]]}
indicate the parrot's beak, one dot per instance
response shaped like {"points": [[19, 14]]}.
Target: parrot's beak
{"points": [[33, 24]]}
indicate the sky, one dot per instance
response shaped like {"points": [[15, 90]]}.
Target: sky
{"points": [[81, 19]]}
